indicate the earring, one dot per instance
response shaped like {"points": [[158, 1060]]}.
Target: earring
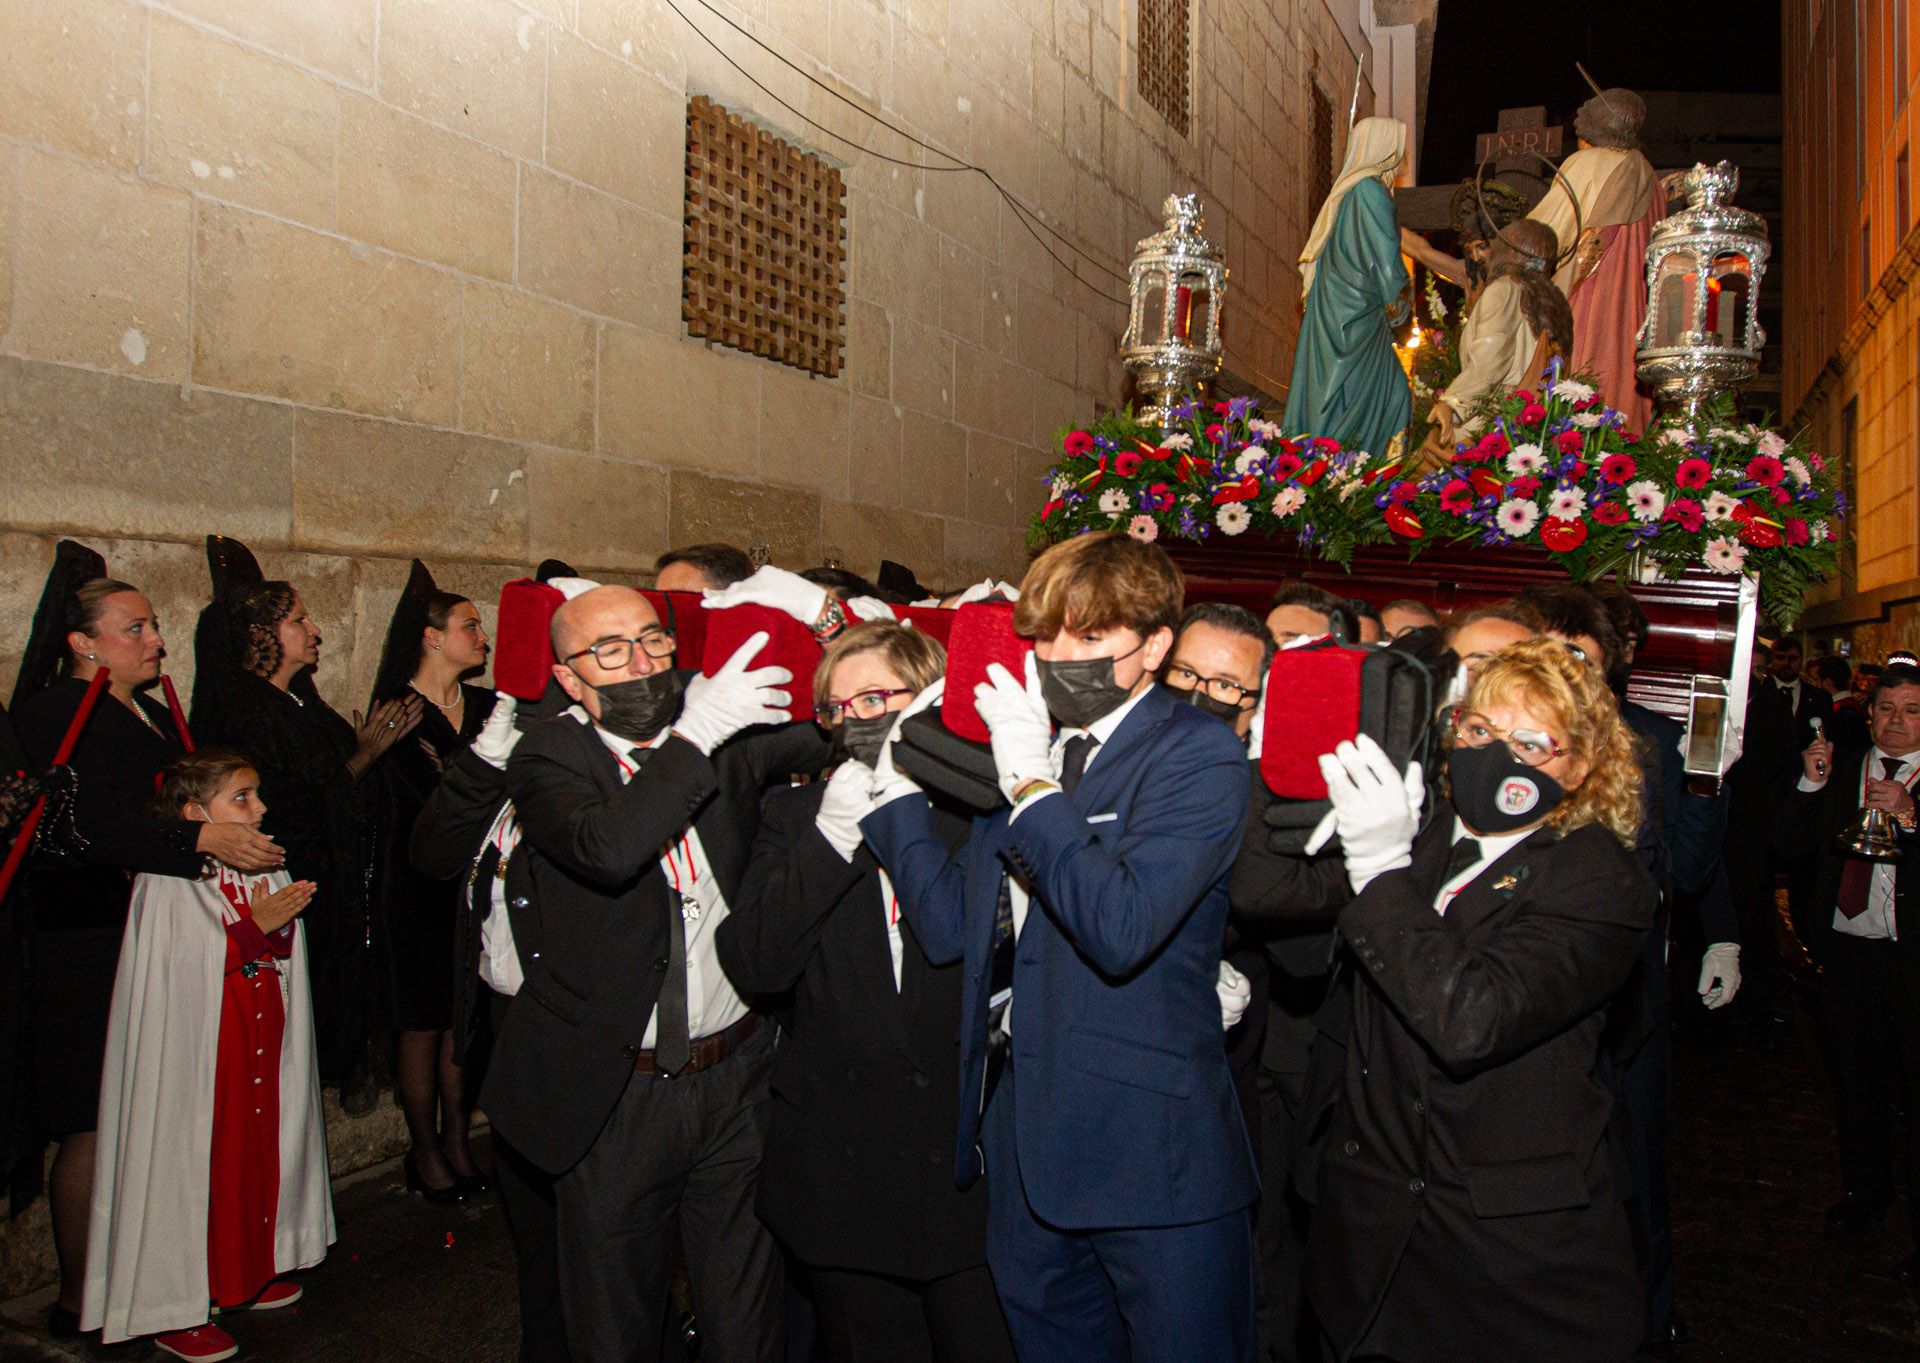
{"points": [[92, 659]]}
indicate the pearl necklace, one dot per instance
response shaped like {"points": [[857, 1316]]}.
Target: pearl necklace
{"points": [[459, 698]]}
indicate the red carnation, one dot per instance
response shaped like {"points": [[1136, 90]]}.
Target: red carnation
{"points": [[1685, 513], [1405, 492], [1587, 404], [1155, 451], [1609, 513], [1569, 442], [1781, 496], [1495, 445], [1525, 486], [1076, 444], [1161, 495], [1577, 469], [1532, 414], [1523, 394], [1457, 497], [1764, 468], [1797, 533], [1285, 464], [1485, 482], [1221, 409], [1216, 433], [1562, 536], [1326, 444], [1312, 473], [1126, 463], [1618, 468], [1692, 473], [1403, 522]]}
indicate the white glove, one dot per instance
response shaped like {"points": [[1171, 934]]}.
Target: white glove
{"points": [[979, 591], [889, 782], [776, 588], [1236, 992], [1006, 589], [1375, 808], [868, 608], [846, 801], [494, 743], [734, 698], [1256, 737], [1018, 725], [1720, 974]]}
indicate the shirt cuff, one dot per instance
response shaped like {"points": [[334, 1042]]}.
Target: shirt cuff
{"points": [[1808, 785], [1030, 802]]}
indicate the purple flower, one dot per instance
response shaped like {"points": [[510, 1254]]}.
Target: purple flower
{"points": [[1238, 408], [1186, 410]]}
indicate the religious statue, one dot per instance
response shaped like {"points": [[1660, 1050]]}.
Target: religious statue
{"points": [[1347, 381], [1519, 323], [1602, 206]]}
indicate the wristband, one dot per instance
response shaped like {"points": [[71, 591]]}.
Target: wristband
{"points": [[833, 619]]}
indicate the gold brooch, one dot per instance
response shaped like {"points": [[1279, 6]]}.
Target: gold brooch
{"points": [[1505, 883]]}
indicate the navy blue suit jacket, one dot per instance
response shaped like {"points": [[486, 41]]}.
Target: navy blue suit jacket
{"points": [[1125, 1114]]}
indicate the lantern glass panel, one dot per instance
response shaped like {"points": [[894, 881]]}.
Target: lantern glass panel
{"points": [[1193, 308], [1730, 286], [1674, 286], [1153, 310]]}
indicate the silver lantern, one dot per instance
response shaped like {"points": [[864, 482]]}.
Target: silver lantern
{"points": [[1702, 336], [1177, 283]]}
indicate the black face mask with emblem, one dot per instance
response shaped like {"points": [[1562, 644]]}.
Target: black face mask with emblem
{"points": [[1201, 701], [1494, 792], [639, 708]]}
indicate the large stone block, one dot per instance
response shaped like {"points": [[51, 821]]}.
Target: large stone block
{"points": [[72, 75], [869, 367], [922, 368], [615, 127], [975, 551], [6, 239], [644, 32], [598, 253], [235, 124], [385, 487], [874, 430], [966, 208], [860, 51], [992, 472], [287, 312], [1047, 333], [526, 369], [419, 190], [477, 66], [933, 465], [963, 288], [783, 520], [669, 400], [893, 260], [334, 35], [100, 269], [990, 394], [803, 431], [598, 514], [96, 453], [860, 536]]}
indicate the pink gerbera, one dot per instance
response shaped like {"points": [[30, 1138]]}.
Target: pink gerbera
{"points": [[1764, 468], [1693, 473], [1144, 529]]}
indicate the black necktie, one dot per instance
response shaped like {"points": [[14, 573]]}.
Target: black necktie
{"points": [[1466, 853], [672, 1047], [1073, 761]]}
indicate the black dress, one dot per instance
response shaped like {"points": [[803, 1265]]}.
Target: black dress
{"points": [[317, 811], [413, 914], [78, 904]]}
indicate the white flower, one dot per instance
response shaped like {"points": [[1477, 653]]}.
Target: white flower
{"points": [[1144, 528], [1568, 504], [1525, 459], [1517, 517], [1719, 433], [1719, 507], [1233, 518], [1114, 501], [1798, 468], [1060, 486], [1675, 435], [1647, 500], [1290, 500], [1262, 428], [1771, 442], [1179, 440], [1586, 421], [1572, 390], [1349, 488], [1724, 554], [1818, 533], [1250, 456]]}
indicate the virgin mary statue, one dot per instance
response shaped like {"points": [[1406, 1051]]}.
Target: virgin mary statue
{"points": [[1347, 382]]}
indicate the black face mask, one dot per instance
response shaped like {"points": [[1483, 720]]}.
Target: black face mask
{"points": [[1495, 792], [861, 740], [1080, 693], [1200, 700], [639, 708]]}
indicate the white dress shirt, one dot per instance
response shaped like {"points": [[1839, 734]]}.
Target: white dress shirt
{"points": [[1878, 922], [712, 1004], [500, 964], [890, 906], [1493, 846]]}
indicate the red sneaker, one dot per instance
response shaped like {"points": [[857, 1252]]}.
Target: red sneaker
{"points": [[278, 1293], [202, 1344]]}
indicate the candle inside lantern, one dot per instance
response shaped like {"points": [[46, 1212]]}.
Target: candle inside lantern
{"points": [[1713, 306], [1183, 313]]}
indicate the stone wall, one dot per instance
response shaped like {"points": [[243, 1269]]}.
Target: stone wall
{"points": [[357, 280]]}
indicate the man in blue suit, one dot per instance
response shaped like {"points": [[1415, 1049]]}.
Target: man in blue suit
{"points": [[1095, 1091]]}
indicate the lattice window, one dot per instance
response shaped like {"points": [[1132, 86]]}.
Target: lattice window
{"points": [[1163, 59], [1319, 152], [765, 243]]}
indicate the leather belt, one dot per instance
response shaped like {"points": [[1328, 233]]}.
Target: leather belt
{"points": [[707, 1052]]}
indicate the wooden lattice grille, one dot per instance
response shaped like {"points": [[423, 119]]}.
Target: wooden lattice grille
{"points": [[765, 243], [1163, 59], [1319, 153]]}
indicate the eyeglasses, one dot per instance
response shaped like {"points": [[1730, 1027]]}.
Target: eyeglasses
{"points": [[614, 654], [1530, 747], [865, 705], [1227, 692]]}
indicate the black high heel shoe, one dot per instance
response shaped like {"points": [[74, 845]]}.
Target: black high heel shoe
{"points": [[471, 1185], [437, 1197]]}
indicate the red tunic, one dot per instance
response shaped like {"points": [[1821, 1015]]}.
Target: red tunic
{"points": [[244, 1187]]}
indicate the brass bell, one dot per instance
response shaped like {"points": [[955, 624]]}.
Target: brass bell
{"points": [[1874, 835]]}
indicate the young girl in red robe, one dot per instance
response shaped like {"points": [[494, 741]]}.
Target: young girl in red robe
{"points": [[210, 1127]]}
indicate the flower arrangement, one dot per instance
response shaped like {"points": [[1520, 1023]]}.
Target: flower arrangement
{"points": [[1554, 468]]}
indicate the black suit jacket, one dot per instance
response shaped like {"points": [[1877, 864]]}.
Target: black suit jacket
{"points": [[1824, 816], [1467, 1202], [858, 1169], [591, 846]]}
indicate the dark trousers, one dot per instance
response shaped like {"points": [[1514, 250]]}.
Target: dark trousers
{"points": [[872, 1318], [1645, 1086], [688, 1146], [1285, 1332], [1872, 1004], [1750, 868], [1156, 1294], [526, 1196]]}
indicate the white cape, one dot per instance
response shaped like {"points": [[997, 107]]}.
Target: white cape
{"points": [[147, 1239]]}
